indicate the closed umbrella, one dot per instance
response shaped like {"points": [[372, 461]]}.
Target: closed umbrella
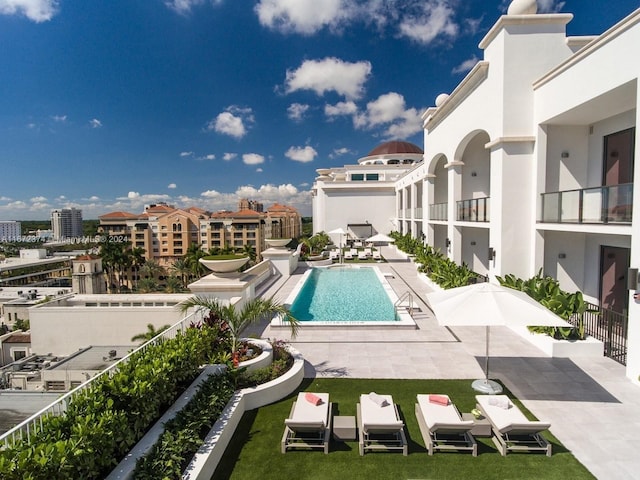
{"points": [[487, 304], [380, 237], [339, 231]]}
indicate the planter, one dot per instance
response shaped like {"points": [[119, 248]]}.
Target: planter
{"points": [[224, 266], [277, 242], [590, 347], [430, 283], [261, 361]]}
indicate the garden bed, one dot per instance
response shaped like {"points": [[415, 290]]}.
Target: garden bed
{"points": [[589, 347]]}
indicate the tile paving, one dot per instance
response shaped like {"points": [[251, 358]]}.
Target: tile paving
{"points": [[593, 408]]}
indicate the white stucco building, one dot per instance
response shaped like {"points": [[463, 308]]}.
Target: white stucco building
{"points": [[528, 163]]}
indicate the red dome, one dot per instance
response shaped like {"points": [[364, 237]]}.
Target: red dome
{"points": [[395, 147]]}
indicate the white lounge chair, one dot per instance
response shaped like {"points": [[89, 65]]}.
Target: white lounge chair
{"points": [[362, 255], [512, 430], [379, 424], [442, 426], [309, 423], [348, 255], [376, 255]]}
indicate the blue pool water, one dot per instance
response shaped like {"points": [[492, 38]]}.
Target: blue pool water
{"points": [[343, 295]]}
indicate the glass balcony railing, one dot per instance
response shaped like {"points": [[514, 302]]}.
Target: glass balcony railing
{"points": [[438, 212], [606, 204], [473, 210], [417, 212]]}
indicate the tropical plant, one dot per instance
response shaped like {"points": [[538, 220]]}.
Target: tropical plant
{"points": [[181, 269], [137, 261], [173, 284], [148, 285], [192, 259], [238, 319], [150, 333]]}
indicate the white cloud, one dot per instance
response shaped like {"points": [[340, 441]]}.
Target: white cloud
{"points": [[95, 123], [94, 198], [301, 154], [133, 195], [209, 156], [466, 65], [301, 16], [329, 74], [550, 6], [186, 154], [252, 159], [436, 19], [233, 122], [38, 199], [338, 152], [36, 10], [340, 108], [227, 157], [389, 111], [58, 118], [296, 111], [182, 6], [172, 186], [259, 170], [211, 194]]}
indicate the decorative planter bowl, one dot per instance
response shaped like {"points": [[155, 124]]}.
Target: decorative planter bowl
{"points": [[277, 242], [224, 266]]}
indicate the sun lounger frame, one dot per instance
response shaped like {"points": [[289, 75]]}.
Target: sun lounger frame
{"points": [[380, 440], [444, 438], [311, 438]]}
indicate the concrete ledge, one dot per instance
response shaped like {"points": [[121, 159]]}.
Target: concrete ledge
{"points": [[261, 361], [590, 347], [430, 283]]}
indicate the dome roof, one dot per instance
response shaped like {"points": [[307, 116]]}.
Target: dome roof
{"points": [[395, 147]]}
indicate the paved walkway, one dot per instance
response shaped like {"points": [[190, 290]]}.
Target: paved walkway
{"points": [[593, 408]]}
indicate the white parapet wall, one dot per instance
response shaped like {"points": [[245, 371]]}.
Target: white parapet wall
{"points": [[590, 347]]}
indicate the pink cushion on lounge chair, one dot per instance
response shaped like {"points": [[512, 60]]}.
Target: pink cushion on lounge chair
{"points": [[439, 399], [312, 398]]}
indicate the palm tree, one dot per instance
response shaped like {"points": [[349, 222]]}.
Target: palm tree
{"points": [[180, 268], [174, 284], [151, 269], [192, 257], [137, 261], [251, 312], [149, 334], [148, 285], [250, 252], [110, 253]]}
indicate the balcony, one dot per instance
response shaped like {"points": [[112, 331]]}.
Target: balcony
{"points": [[417, 213], [606, 204], [438, 212], [473, 210]]}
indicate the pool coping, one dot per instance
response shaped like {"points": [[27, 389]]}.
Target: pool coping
{"points": [[405, 318]]}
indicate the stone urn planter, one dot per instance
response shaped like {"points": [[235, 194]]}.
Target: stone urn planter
{"points": [[223, 266], [277, 242]]}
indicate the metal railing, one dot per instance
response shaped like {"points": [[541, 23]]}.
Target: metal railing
{"points": [[438, 212], [473, 210], [605, 204], [405, 296], [608, 326], [33, 424]]}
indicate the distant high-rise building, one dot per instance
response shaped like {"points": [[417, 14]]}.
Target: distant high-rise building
{"points": [[10, 230], [66, 223]]}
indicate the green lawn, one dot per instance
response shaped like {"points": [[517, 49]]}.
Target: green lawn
{"points": [[255, 449]]}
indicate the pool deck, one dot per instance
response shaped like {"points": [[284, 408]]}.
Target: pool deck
{"points": [[593, 408]]}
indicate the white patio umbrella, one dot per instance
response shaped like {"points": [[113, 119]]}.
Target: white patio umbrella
{"points": [[380, 237], [487, 304], [339, 231]]}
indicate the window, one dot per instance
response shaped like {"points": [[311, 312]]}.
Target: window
{"points": [[18, 354], [372, 177], [357, 177]]}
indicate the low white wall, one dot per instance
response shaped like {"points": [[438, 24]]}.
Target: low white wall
{"points": [[590, 347], [261, 361]]}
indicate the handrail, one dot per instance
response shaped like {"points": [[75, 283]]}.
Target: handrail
{"points": [[405, 295], [33, 424]]}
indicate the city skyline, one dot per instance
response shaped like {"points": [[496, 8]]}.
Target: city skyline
{"points": [[116, 106]]}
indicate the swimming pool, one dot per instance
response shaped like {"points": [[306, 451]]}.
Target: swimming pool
{"points": [[350, 295]]}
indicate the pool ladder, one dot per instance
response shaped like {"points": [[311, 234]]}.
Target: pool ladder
{"points": [[405, 296]]}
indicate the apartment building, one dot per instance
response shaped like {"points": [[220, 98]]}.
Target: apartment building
{"points": [[528, 164], [166, 233], [10, 230], [66, 223]]}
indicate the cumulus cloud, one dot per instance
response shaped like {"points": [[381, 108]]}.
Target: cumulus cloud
{"points": [[338, 152], [466, 65], [95, 123], [234, 121], [550, 6], [301, 154], [259, 170], [252, 159], [186, 154], [296, 111], [36, 10], [340, 108], [301, 16], [390, 113], [227, 157], [211, 194], [209, 156], [329, 74], [435, 19], [133, 195], [172, 186], [58, 118], [182, 6]]}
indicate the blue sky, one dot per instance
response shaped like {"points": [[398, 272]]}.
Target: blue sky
{"points": [[114, 104]]}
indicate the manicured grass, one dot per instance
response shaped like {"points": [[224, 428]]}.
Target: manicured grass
{"points": [[255, 448]]}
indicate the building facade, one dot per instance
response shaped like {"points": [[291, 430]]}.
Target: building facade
{"points": [[543, 178], [10, 230], [66, 223]]}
